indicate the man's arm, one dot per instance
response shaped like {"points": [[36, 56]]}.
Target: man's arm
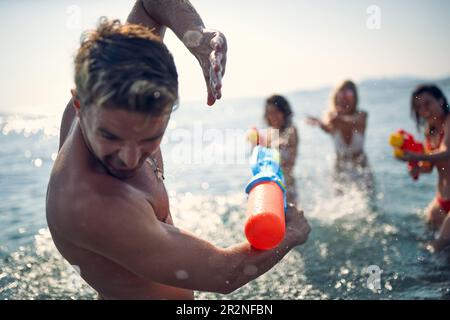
{"points": [[127, 232], [208, 46], [179, 15], [140, 15]]}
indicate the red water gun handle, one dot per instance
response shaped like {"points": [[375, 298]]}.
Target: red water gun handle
{"points": [[411, 145]]}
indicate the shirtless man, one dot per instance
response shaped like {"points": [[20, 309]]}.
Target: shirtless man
{"points": [[107, 208]]}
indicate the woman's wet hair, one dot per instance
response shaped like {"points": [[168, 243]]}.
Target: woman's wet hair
{"points": [[283, 106], [434, 91], [345, 85], [125, 66]]}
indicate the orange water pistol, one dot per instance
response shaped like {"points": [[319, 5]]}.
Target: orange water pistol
{"points": [[265, 225], [403, 141]]}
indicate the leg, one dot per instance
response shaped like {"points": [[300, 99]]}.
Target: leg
{"points": [[435, 215], [443, 237]]}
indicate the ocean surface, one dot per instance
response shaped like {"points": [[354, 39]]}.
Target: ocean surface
{"points": [[206, 171]]}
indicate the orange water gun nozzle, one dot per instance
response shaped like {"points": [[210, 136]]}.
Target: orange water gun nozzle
{"points": [[265, 225]]}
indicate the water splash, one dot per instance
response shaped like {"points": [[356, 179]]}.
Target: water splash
{"points": [[38, 271]]}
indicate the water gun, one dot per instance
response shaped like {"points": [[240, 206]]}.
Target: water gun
{"points": [[266, 206], [403, 141], [256, 137], [253, 136]]}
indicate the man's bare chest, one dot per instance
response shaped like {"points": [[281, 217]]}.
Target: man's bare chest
{"points": [[149, 184]]}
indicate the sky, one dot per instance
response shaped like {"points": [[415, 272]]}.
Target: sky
{"points": [[274, 45]]}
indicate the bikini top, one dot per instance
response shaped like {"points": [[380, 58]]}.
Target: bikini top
{"points": [[354, 147], [429, 147], [284, 142]]}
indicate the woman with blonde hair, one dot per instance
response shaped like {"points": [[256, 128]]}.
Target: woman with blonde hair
{"points": [[347, 126]]}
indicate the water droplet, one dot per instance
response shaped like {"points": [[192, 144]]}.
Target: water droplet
{"points": [[250, 270], [37, 162], [172, 124], [205, 185], [172, 193], [181, 274], [54, 155], [76, 268], [192, 38], [27, 154]]}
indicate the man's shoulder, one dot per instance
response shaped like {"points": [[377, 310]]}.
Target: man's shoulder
{"points": [[70, 183], [94, 214], [92, 202]]}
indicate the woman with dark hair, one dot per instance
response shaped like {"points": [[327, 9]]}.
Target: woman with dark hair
{"points": [[430, 109], [282, 134]]}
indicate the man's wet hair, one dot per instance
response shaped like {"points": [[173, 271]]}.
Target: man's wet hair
{"points": [[125, 66]]}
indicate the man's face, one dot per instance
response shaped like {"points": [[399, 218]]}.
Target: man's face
{"points": [[122, 140]]}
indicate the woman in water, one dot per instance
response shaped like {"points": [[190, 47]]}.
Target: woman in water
{"points": [[282, 135], [347, 126], [430, 109]]}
